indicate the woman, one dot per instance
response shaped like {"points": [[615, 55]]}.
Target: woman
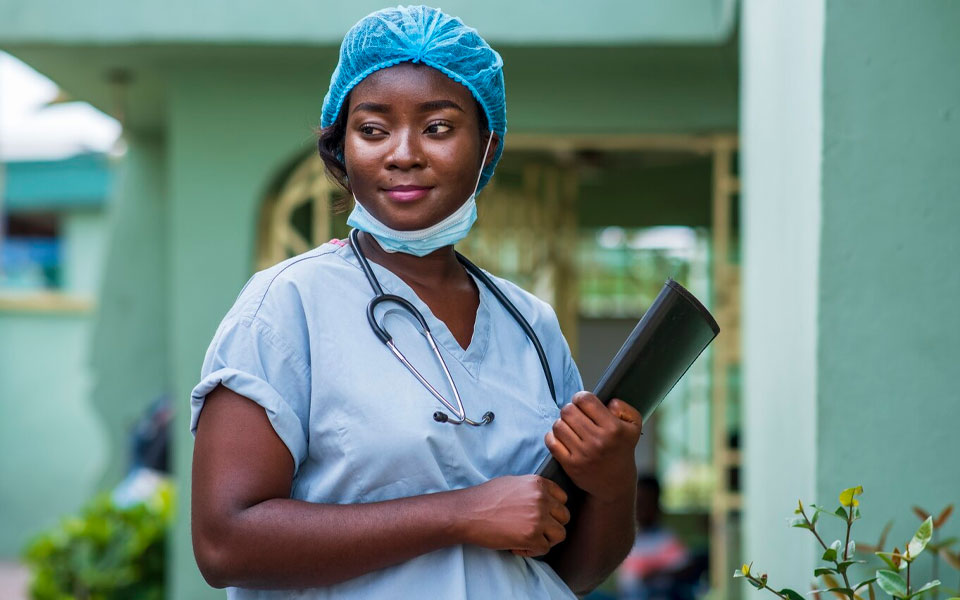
{"points": [[321, 463]]}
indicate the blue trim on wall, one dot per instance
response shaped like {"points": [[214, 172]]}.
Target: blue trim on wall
{"points": [[81, 181]]}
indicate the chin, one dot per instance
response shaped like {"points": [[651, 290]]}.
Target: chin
{"points": [[410, 216]]}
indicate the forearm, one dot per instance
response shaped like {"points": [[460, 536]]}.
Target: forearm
{"points": [[285, 543], [598, 540]]}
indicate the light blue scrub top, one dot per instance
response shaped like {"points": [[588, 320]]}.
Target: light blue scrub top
{"points": [[360, 427]]}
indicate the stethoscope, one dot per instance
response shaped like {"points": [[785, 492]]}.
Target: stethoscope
{"points": [[385, 337]]}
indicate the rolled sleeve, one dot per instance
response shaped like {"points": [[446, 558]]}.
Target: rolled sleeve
{"points": [[249, 358]]}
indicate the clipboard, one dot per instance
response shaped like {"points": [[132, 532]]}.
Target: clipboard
{"points": [[669, 338]]}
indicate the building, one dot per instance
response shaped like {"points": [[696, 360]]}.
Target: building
{"points": [[621, 114]]}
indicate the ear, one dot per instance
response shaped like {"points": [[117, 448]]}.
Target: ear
{"points": [[492, 151]]}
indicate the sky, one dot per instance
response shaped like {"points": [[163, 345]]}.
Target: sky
{"points": [[29, 130]]}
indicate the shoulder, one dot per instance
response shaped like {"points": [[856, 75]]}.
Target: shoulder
{"points": [[283, 288], [537, 312]]}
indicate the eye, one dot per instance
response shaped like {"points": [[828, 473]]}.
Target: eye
{"points": [[371, 130], [439, 127]]}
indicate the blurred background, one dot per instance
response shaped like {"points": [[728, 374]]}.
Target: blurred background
{"points": [[795, 164]]}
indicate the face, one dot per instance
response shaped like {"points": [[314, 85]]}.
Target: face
{"points": [[412, 146]]}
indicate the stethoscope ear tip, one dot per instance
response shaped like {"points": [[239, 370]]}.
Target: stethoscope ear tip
{"points": [[441, 417], [488, 417]]}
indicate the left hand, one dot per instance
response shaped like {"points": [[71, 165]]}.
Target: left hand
{"points": [[595, 444]]}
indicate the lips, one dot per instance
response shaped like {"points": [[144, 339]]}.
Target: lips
{"points": [[407, 193]]}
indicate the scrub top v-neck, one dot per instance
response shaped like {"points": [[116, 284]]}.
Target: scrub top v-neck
{"points": [[359, 426]]}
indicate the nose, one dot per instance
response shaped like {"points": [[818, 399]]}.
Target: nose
{"points": [[406, 152]]}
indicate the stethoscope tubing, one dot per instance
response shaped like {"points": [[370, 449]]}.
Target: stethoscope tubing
{"points": [[387, 339]]}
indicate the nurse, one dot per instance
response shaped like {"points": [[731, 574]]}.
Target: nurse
{"points": [[320, 469]]}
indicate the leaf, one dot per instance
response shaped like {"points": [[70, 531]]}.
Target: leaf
{"points": [[920, 538], [843, 566], [813, 519], [888, 558], [831, 581], [920, 513], [952, 559], [883, 534], [798, 522], [823, 571], [745, 569], [755, 583], [847, 496], [944, 515], [790, 594], [829, 555], [840, 512], [820, 509], [851, 548], [938, 546], [737, 573], [927, 587], [842, 590], [863, 583], [799, 509], [892, 583]]}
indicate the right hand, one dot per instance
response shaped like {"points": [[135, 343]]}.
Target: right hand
{"points": [[522, 513]]}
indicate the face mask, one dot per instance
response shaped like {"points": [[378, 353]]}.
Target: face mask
{"points": [[420, 242]]}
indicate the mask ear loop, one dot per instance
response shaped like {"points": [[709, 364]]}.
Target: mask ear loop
{"points": [[483, 163]]}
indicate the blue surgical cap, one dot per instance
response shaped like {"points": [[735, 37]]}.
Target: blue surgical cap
{"points": [[420, 34]]}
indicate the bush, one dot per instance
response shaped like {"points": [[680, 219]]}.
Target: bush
{"points": [[839, 556], [108, 552]]}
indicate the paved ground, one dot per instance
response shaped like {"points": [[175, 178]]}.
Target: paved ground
{"points": [[13, 581]]}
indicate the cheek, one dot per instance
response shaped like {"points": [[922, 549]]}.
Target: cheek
{"points": [[359, 160]]}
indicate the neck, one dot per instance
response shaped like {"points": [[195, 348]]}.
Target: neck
{"points": [[437, 268]]}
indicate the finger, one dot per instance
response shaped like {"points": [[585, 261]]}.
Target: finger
{"points": [[580, 423], [593, 408], [555, 533], [625, 412], [555, 490], [566, 436], [557, 449], [561, 513]]}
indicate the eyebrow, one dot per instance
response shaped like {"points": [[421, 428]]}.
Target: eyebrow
{"points": [[432, 105]]}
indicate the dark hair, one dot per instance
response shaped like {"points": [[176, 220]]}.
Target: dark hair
{"points": [[330, 148], [330, 143]]}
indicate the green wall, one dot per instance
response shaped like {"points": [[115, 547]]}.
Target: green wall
{"points": [[889, 276], [851, 145], [325, 21], [52, 446], [129, 347]]}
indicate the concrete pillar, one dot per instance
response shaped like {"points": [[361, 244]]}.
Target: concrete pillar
{"points": [[851, 140]]}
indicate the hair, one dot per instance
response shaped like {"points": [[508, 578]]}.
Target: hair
{"points": [[330, 143]]}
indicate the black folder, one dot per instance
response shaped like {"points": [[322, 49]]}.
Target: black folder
{"points": [[673, 332]]}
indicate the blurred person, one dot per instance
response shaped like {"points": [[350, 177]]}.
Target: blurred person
{"points": [[659, 566], [336, 459]]}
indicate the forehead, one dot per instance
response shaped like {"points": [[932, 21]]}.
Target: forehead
{"points": [[410, 82]]}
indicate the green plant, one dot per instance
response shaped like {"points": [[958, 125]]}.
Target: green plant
{"points": [[840, 555], [105, 553]]}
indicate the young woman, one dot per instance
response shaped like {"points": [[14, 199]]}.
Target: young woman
{"points": [[331, 464]]}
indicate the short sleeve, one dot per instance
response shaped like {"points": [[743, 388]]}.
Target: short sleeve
{"points": [[249, 358]]}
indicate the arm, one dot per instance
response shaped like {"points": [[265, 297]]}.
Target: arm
{"points": [[595, 444], [248, 532]]}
